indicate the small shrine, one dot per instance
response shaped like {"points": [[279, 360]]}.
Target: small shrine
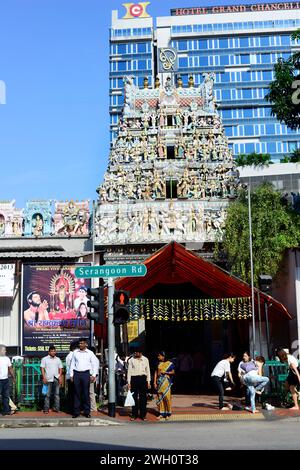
{"points": [[11, 219], [171, 173], [38, 218], [72, 218]]}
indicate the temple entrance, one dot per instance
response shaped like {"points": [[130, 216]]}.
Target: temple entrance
{"points": [[194, 346]]}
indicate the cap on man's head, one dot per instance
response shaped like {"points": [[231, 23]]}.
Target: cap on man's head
{"points": [[83, 288]]}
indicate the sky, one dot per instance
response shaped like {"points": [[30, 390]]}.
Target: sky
{"points": [[54, 126]]}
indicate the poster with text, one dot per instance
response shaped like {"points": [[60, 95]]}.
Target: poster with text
{"points": [[54, 308]]}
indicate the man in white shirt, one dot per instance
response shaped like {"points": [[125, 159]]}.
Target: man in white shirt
{"points": [[70, 384], [82, 373], [5, 369], [220, 372], [139, 378], [52, 367]]}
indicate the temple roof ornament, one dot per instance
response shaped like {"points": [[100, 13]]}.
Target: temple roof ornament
{"points": [[171, 172]]}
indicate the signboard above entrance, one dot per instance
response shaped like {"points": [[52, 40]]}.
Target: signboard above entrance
{"points": [[254, 7], [117, 270]]}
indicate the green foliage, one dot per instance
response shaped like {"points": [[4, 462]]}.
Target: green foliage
{"points": [[281, 90], [293, 158], [256, 159], [275, 227]]}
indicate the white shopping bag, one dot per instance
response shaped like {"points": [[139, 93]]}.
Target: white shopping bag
{"points": [[129, 399]]}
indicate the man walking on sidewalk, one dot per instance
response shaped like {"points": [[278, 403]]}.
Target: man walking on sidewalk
{"points": [[139, 378], [5, 369], [52, 376], [83, 372]]}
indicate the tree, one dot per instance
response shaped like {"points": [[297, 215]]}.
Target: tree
{"points": [[256, 159], [275, 228], [294, 157], [282, 90]]}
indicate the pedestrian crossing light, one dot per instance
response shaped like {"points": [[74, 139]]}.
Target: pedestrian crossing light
{"points": [[121, 307], [96, 303]]}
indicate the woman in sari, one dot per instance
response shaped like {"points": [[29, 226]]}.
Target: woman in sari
{"points": [[163, 383]]}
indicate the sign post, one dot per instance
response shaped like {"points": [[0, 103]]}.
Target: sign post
{"points": [[111, 351], [110, 272]]}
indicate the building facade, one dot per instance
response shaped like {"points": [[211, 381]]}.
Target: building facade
{"points": [[240, 44], [171, 173]]}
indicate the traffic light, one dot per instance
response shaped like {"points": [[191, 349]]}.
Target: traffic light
{"points": [[265, 283], [121, 307], [96, 305]]}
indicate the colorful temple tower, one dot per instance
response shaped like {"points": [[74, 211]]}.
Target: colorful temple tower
{"points": [[171, 173]]}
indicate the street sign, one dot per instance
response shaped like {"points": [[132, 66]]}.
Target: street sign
{"points": [[116, 270]]}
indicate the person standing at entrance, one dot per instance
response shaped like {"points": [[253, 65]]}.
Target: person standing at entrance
{"points": [[163, 383], [221, 372], [70, 384], [52, 367], [82, 373], [139, 378], [293, 379], [5, 370]]}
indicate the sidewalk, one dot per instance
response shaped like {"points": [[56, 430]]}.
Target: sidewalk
{"points": [[198, 408], [32, 419]]}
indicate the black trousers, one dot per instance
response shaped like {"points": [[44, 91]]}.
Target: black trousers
{"points": [[70, 396], [218, 385], [139, 390], [4, 392], [82, 392]]}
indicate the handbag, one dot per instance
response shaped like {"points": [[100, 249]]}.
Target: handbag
{"points": [[45, 389], [129, 399]]}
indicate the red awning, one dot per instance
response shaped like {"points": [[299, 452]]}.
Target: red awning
{"points": [[175, 264]]}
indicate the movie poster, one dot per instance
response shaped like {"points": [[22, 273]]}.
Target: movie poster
{"points": [[54, 308]]}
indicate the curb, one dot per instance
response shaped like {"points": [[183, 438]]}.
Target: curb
{"points": [[49, 423]]}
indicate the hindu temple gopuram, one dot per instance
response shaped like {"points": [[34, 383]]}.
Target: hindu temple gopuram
{"points": [[171, 173]]}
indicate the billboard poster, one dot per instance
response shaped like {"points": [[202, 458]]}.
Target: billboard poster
{"points": [[7, 279], [54, 308]]}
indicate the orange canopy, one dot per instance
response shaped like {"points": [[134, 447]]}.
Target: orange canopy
{"points": [[175, 264]]}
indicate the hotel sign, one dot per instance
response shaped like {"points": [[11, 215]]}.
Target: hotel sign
{"points": [[136, 10], [255, 7]]}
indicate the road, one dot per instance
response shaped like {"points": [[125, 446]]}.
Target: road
{"points": [[268, 435]]}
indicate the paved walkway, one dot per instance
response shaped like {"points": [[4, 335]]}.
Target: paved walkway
{"points": [[184, 408]]}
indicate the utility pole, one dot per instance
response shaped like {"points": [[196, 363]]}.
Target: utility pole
{"points": [[111, 351], [252, 273]]}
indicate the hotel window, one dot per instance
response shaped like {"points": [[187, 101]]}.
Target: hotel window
{"points": [[271, 147], [183, 62], [248, 130], [202, 44], [223, 43], [121, 65], [224, 60], [203, 61], [264, 41], [248, 113], [285, 40], [225, 77], [249, 148], [142, 65], [182, 45], [244, 42], [142, 47], [246, 77], [245, 59], [226, 95]]}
